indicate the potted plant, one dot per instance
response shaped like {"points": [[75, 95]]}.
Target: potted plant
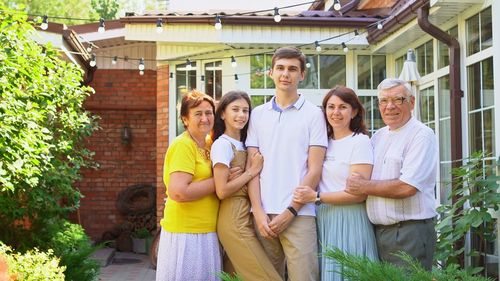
{"points": [[139, 240]]}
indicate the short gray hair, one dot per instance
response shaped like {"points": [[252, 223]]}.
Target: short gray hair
{"points": [[389, 83]]}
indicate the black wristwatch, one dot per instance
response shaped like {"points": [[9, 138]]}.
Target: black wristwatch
{"points": [[317, 202]]}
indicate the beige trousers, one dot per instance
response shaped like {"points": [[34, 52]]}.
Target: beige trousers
{"points": [[295, 249]]}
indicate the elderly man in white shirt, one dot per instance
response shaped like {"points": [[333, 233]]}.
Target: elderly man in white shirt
{"points": [[400, 200]]}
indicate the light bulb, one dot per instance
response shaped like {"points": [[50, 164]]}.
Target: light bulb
{"points": [[141, 64], [356, 33], [344, 47], [379, 25], [101, 28], [218, 23], [93, 62], [337, 5], [308, 65], [45, 23], [188, 64], [159, 26], [318, 46], [141, 72], [236, 77], [115, 59], [277, 16], [233, 62]]}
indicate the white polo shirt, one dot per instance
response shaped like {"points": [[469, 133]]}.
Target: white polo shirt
{"points": [[283, 137], [409, 154]]}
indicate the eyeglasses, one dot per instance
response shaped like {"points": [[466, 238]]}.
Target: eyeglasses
{"points": [[395, 101]]}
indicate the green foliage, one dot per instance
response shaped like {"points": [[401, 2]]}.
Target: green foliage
{"points": [[357, 268], [106, 9], [33, 265], [72, 245], [56, 8], [229, 277], [42, 130], [141, 233], [475, 194]]}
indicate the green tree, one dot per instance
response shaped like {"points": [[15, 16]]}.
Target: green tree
{"points": [[42, 130], [106, 9]]}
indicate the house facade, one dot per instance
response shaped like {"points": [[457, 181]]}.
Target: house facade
{"points": [[360, 45]]}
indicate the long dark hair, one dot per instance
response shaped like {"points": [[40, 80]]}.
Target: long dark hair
{"points": [[357, 124], [219, 125]]}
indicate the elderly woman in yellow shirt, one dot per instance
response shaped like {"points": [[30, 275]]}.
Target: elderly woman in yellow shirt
{"points": [[189, 247]]}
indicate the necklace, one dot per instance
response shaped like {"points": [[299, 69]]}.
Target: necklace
{"points": [[203, 151]]}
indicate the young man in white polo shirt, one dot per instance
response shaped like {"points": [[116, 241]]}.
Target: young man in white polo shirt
{"points": [[400, 200], [290, 133]]}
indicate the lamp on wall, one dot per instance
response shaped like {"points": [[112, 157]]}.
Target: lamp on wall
{"points": [[410, 74], [126, 134]]}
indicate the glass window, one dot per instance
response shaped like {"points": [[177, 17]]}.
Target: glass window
{"points": [[213, 79], [373, 120], [425, 57], [480, 105], [399, 64], [479, 32], [311, 78], [444, 138], [332, 71], [371, 71], [259, 72], [443, 50], [260, 99], [185, 81], [427, 115]]}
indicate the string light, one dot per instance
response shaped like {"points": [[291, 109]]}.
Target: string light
{"points": [[141, 72], [93, 62], [89, 48], [380, 26], [308, 65], [218, 23], [159, 26], [318, 47], [233, 62], [141, 64], [202, 78], [344, 47], [277, 16], [337, 5], [171, 75], [236, 77], [356, 33], [45, 23], [101, 28], [188, 64], [114, 60]]}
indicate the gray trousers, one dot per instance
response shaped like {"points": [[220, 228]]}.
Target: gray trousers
{"points": [[416, 237]]}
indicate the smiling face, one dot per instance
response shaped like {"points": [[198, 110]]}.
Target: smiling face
{"points": [[395, 116], [287, 74], [236, 115], [200, 119], [339, 113]]}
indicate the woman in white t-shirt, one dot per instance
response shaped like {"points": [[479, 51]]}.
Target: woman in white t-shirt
{"points": [[341, 217], [244, 253]]}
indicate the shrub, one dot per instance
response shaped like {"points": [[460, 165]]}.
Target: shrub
{"points": [[33, 265]]}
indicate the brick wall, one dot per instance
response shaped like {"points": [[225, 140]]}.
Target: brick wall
{"points": [[122, 97], [162, 106]]}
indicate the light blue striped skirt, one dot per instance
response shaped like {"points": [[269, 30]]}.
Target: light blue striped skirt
{"points": [[348, 228]]}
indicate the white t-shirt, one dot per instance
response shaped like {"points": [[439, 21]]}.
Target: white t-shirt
{"points": [[222, 151], [409, 154], [340, 155], [283, 137]]}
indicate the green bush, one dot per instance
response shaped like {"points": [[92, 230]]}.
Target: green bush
{"points": [[33, 265], [357, 268]]}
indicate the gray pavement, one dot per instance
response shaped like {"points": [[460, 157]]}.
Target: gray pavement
{"points": [[126, 266]]}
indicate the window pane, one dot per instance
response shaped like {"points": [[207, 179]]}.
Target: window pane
{"points": [[257, 72], [332, 71], [445, 186], [185, 81], [269, 80], [258, 100], [364, 73], [487, 75], [444, 96], [420, 56], [443, 51], [489, 136], [379, 73], [475, 132], [472, 35], [311, 79], [427, 105], [486, 29], [218, 84], [429, 57], [474, 85], [445, 140], [399, 64]]}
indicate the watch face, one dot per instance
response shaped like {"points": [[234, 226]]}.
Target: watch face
{"points": [[317, 202]]}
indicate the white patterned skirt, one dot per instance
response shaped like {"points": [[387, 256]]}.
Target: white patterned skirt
{"points": [[188, 257]]}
